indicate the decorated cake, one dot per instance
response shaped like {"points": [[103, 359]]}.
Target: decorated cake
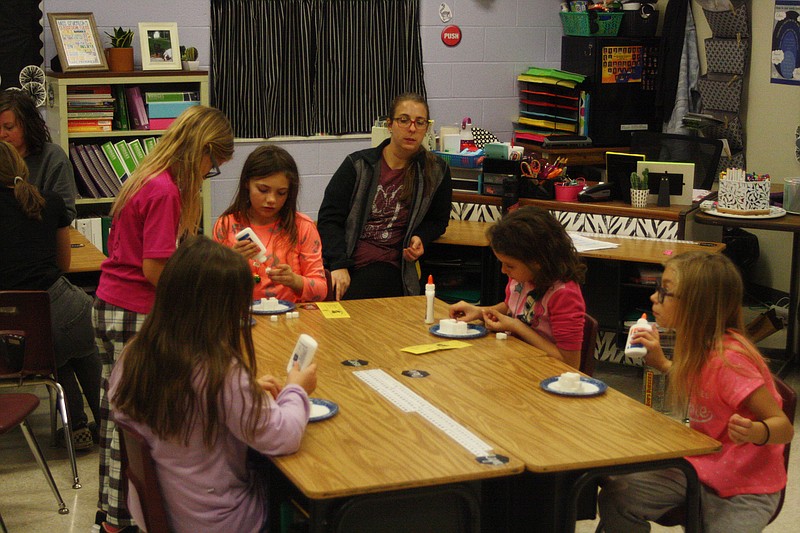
{"points": [[743, 194]]}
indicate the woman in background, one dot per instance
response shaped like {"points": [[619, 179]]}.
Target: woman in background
{"points": [[383, 206], [266, 201], [157, 206], [49, 168], [34, 254]]}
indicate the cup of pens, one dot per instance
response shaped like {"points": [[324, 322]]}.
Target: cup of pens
{"points": [[567, 190]]}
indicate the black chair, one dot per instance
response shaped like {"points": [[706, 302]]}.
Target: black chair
{"points": [[671, 147], [589, 346], [25, 321]]}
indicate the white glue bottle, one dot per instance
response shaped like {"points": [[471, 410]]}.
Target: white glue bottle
{"points": [[249, 234], [430, 294], [637, 350]]}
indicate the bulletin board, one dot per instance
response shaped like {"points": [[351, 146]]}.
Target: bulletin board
{"points": [[20, 39], [622, 64]]}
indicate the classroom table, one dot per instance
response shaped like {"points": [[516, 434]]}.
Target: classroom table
{"points": [[373, 447], [370, 446], [555, 436], [85, 257], [471, 233], [788, 223], [375, 333]]}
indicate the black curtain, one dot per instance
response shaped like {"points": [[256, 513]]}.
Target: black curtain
{"points": [[20, 39], [302, 67]]}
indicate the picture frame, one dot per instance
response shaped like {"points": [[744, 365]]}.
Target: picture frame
{"points": [[681, 180], [77, 42], [160, 46]]}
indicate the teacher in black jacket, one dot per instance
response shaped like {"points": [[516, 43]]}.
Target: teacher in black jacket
{"points": [[383, 206]]}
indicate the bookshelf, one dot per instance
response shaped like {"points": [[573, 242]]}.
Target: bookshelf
{"points": [[58, 84]]}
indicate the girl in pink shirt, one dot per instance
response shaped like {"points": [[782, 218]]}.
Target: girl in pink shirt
{"points": [[191, 391], [159, 204], [266, 201], [544, 305], [731, 397]]}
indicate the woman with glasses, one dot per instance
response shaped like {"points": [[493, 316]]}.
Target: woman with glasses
{"points": [[159, 205], [383, 206]]}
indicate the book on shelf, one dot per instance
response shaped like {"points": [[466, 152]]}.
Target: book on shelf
{"points": [[161, 123], [85, 184], [168, 109], [101, 164], [88, 91], [185, 96], [121, 120], [94, 172], [136, 150], [136, 108], [108, 115], [88, 128], [124, 153], [113, 159], [149, 144]]}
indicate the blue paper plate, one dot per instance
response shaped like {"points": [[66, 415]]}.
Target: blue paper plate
{"points": [[326, 409], [289, 306], [473, 332], [591, 387]]}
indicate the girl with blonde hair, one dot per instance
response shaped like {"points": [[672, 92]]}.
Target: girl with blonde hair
{"points": [[731, 397], [159, 204]]}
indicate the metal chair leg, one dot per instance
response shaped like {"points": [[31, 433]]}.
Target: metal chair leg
{"points": [[37, 453], [52, 394], [62, 408]]}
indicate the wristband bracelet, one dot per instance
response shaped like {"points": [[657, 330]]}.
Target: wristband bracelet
{"points": [[766, 440]]}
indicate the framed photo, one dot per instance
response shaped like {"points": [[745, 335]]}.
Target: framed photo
{"points": [[160, 47], [680, 176], [77, 42]]}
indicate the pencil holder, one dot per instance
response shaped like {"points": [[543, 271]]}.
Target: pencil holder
{"points": [[566, 192], [639, 197]]}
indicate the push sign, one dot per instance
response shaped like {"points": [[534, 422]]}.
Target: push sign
{"points": [[451, 35]]}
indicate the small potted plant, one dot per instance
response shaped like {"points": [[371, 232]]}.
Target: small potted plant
{"points": [[639, 188], [189, 59], [120, 55]]}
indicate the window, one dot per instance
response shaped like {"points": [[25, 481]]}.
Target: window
{"points": [[303, 67]]}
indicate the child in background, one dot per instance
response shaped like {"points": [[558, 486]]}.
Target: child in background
{"points": [[158, 205], [266, 201], [731, 397], [543, 305], [191, 391]]}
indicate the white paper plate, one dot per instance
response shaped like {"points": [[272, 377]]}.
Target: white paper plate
{"points": [[774, 212]]}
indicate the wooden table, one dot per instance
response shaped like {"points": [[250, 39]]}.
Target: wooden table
{"points": [[376, 332], [370, 446], [787, 223], [491, 388], [555, 436], [85, 257]]}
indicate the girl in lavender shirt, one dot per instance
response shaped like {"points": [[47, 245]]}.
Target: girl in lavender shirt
{"points": [[187, 383]]}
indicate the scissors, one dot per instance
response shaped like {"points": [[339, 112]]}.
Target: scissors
{"points": [[531, 169]]}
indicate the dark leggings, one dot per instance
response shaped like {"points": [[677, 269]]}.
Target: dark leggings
{"points": [[376, 280], [86, 371]]}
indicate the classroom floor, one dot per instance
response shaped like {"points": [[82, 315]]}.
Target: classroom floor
{"points": [[26, 503]]}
